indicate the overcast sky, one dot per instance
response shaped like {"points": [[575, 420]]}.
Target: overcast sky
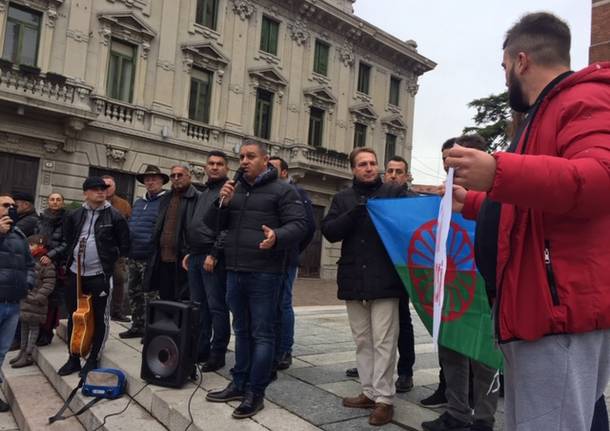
{"points": [[465, 39]]}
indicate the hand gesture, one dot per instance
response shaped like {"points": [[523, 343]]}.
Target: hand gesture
{"points": [[185, 262], [269, 240], [209, 263], [474, 169], [226, 193], [44, 260], [5, 224]]}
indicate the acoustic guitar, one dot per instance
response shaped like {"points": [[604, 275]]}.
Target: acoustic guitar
{"points": [[82, 318]]}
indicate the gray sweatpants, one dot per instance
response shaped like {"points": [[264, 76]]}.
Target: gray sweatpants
{"points": [[552, 384]]}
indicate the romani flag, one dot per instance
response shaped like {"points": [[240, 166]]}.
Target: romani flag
{"points": [[407, 227]]}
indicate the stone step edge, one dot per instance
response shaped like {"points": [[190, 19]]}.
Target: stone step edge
{"points": [[13, 378], [92, 418]]}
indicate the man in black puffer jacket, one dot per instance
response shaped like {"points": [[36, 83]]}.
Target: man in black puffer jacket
{"points": [[16, 277], [28, 218], [264, 219], [369, 284], [101, 235]]}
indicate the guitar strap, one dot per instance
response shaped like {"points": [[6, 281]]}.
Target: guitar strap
{"points": [[59, 415]]}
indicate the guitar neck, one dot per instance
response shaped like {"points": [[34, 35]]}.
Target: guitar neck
{"points": [[79, 261]]}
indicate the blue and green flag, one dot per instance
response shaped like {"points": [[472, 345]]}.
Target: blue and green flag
{"points": [[407, 227]]}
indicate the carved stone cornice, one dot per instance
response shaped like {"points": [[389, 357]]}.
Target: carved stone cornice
{"points": [[244, 9], [299, 32], [127, 26]]}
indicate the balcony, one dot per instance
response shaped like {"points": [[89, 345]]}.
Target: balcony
{"points": [[27, 87], [116, 111], [326, 162]]}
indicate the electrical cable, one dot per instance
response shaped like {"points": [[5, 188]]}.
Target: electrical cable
{"points": [[200, 369], [124, 408]]}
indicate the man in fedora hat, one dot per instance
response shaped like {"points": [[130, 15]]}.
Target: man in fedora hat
{"points": [[141, 229]]}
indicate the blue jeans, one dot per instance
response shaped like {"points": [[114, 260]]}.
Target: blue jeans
{"points": [[210, 289], [253, 300], [9, 317], [285, 329]]}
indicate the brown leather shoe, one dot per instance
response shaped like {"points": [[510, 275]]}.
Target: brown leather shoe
{"points": [[382, 414], [359, 402]]}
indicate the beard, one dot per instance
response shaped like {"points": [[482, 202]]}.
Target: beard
{"points": [[516, 95]]}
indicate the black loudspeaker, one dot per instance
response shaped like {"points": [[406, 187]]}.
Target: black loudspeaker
{"points": [[170, 343]]}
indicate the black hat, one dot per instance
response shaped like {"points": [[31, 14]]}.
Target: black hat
{"points": [[152, 170], [23, 196], [94, 183]]}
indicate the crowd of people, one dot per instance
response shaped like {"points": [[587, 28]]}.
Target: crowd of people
{"points": [[233, 247]]}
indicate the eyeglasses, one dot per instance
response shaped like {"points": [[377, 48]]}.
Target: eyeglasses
{"points": [[8, 205], [176, 175]]}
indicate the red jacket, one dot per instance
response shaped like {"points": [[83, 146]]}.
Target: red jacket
{"points": [[556, 202]]}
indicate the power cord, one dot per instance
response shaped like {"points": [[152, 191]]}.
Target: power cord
{"points": [[131, 398], [199, 367]]}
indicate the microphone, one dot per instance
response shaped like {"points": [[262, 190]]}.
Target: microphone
{"points": [[236, 177]]}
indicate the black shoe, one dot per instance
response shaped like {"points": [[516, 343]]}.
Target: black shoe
{"points": [[404, 383], [120, 318], [91, 364], [481, 426], [251, 405], [70, 367], [230, 393], [213, 364], [351, 372], [44, 340], [132, 333], [446, 422], [4, 407], [437, 399], [285, 361]]}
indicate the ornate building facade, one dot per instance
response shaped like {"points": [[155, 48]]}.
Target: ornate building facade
{"points": [[109, 86]]}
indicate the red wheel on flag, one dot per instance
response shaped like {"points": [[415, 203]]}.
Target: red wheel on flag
{"points": [[461, 275]]}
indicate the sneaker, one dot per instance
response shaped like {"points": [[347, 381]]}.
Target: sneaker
{"points": [[251, 405], [285, 361], [91, 364], [24, 361], [351, 372], [70, 367], [132, 333], [446, 422], [4, 407], [230, 393], [404, 384], [437, 399]]}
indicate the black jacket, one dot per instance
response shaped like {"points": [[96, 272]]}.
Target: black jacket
{"points": [[111, 236], [293, 259], [269, 202], [28, 223], [187, 209], [204, 239], [365, 271], [16, 266], [51, 225]]}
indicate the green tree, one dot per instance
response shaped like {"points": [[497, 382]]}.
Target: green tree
{"points": [[492, 120]]}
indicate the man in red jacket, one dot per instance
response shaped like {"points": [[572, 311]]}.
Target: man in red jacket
{"points": [[543, 228]]}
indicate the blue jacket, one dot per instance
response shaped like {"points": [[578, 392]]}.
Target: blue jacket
{"points": [[16, 266], [142, 226]]}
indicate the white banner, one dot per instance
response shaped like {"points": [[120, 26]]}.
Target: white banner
{"points": [[440, 255]]}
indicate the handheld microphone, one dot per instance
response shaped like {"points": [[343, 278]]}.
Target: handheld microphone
{"points": [[236, 177]]}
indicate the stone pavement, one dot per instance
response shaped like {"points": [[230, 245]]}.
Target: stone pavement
{"points": [[305, 397]]}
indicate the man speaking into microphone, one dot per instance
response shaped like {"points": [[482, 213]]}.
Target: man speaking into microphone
{"points": [[264, 219]]}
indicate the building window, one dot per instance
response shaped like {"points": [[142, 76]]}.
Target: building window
{"points": [[264, 110], [394, 91], [364, 75], [199, 101], [316, 127], [390, 147], [22, 35], [207, 11], [320, 61], [360, 135], [269, 35], [121, 71]]}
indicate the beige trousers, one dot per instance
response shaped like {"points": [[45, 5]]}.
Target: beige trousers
{"points": [[375, 330]]}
